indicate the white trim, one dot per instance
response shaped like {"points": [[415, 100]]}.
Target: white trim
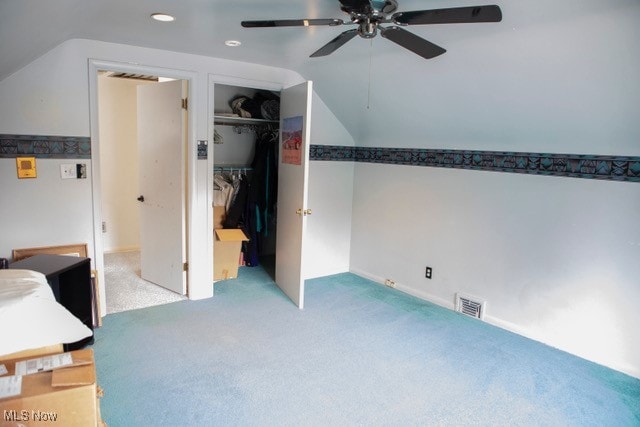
{"points": [[122, 249], [246, 83], [404, 288], [94, 66]]}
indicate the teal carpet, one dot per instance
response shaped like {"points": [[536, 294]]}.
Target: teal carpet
{"points": [[358, 354]]}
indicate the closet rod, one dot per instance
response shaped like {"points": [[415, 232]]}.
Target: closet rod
{"points": [[240, 121], [249, 125], [239, 129]]}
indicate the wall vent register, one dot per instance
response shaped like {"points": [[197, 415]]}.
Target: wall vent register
{"points": [[470, 306]]}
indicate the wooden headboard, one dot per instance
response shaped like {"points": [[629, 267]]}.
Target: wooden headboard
{"points": [[79, 249]]}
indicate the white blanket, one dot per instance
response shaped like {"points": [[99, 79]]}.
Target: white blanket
{"points": [[30, 317]]}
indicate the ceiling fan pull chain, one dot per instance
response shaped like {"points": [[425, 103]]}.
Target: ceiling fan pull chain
{"points": [[369, 87]]}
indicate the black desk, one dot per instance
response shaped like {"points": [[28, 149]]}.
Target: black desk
{"points": [[70, 280]]}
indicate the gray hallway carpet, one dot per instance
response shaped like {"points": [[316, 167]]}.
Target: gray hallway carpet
{"points": [[126, 290]]}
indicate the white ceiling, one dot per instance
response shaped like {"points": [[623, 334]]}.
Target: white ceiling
{"points": [[547, 74]]}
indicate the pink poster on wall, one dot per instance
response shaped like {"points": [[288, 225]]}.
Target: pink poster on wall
{"points": [[292, 140]]}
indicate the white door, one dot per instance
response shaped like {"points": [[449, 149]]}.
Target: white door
{"points": [[293, 172], [161, 148]]}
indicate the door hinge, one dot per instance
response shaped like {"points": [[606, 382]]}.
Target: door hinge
{"points": [[185, 266], [185, 103]]}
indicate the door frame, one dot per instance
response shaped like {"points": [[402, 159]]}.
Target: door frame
{"points": [[96, 182], [213, 80]]}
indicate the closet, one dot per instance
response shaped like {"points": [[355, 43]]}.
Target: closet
{"points": [[238, 143], [246, 138]]}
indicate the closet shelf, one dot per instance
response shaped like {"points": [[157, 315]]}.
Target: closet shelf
{"points": [[239, 121], [231, 167]]}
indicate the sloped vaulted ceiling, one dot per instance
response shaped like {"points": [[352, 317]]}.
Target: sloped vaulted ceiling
{"points": [[552, 76]]}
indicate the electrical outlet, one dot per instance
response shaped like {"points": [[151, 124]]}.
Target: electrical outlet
{"points": [[428, 272]]}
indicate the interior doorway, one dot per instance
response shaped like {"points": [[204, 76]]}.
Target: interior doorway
{"points": [[124, 211]]}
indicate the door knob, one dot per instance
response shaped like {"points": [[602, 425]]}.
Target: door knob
{"points": [[141, 199], [307, 211], [299, 212]]}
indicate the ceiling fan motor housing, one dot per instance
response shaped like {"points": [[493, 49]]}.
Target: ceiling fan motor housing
{"points": [[368, 14], [368, 6]]}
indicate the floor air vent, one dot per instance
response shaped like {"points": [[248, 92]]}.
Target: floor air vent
{"points": [[470, 306]]}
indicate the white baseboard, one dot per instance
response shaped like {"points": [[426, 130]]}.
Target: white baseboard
{"points": [[407, 290]]}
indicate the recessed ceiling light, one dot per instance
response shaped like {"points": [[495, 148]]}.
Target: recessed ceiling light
{"points": [[232, 43], [163, 17]]}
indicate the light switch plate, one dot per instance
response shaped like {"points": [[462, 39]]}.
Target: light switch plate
{"points": [[68, 171]]}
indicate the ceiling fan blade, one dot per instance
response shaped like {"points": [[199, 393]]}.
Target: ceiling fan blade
{"points": [[291, 23], [410, 41], [453, 15], [334, 44]]}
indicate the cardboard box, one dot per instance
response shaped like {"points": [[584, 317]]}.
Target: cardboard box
{"points": [[226, 252], [219, 214], [33, 352], [66, 396]]}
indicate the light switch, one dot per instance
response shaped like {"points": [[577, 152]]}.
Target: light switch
{"points": [[68, 171]]}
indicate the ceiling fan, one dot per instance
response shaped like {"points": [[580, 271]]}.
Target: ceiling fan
{"points": [[369, 14]]}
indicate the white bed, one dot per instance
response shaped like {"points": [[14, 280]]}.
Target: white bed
{"points": [[30, 316]]}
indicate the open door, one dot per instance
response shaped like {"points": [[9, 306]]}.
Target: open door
{"points": [[293, 173], [161, 145]]}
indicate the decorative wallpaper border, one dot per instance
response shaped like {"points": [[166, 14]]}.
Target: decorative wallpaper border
{"points": [[332, 153], [615, 168], [57, 147], [46, 147]]}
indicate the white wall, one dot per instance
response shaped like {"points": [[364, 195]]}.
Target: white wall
{"points": [[328, 244], [43, 211], [119, 162], [556, 259], [550, 74]]}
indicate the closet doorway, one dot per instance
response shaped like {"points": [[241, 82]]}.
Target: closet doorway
{"points": [[280, 212], [246, 137], [135, 204]]}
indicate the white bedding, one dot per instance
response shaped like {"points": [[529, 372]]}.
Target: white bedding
{"points": [[30, 316]]}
